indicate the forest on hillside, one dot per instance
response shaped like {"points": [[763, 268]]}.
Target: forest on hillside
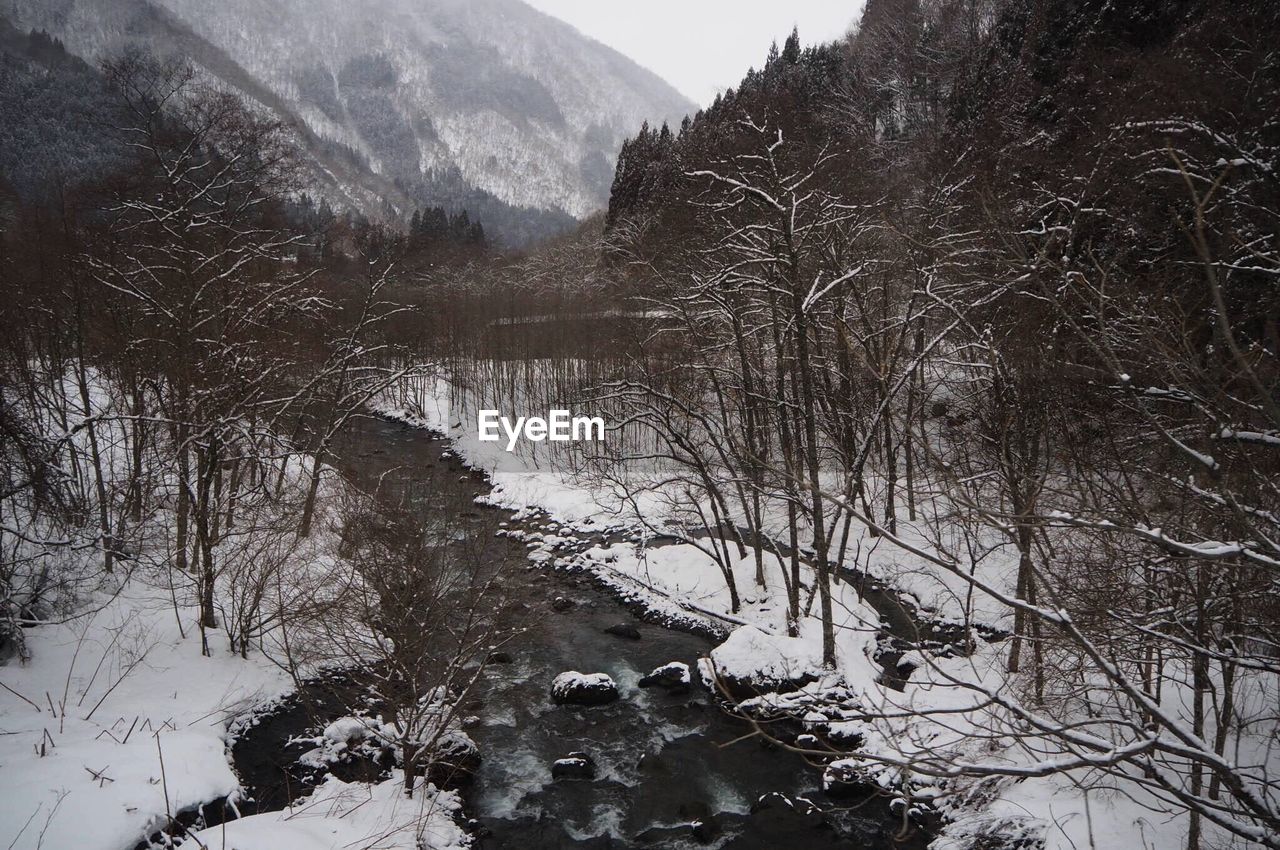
{"points": [[987, 291], [940, 371]]}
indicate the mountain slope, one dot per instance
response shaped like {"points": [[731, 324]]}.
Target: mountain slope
{"points": [[463, 102], [52, 110]]}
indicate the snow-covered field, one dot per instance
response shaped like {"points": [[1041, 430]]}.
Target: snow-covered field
{"points": [[132, 723]]}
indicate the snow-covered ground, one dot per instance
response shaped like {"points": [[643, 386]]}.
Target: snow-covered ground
{"points": [[338, 815], [129, 722], [116, 716]]}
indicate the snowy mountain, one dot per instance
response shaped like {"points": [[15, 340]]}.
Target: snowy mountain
{"points": [[484, 103]]}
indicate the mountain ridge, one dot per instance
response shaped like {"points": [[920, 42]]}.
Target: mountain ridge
{"points": [[488, 104]]}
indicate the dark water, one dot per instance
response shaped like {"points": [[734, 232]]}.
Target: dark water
{"points": [[663, 762]]}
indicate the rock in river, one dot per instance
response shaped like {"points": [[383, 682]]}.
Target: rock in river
{"points": [[455, 760], [574, 766], [673, 677], [577, 688], [624, 630]]}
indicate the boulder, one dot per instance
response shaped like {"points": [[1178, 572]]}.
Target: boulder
{"points": [[574, 766], [840, 782], [752, 662], [775, 817], [705, 831], [673, 678], [697, 818], [574, 688], [455, 760], [560, 604], [624, 630]]}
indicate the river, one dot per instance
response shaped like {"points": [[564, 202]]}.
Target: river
{"points": [[663, 761]]}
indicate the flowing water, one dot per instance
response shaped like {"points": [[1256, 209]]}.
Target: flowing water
{"points": [[670, 769]]}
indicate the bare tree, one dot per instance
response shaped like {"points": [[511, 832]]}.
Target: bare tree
{"points": [[421, 610]]}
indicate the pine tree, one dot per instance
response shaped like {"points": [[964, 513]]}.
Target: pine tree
{"points": [[415, 229], [791, 50]]}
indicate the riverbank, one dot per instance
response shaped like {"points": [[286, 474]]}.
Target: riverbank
{"points": [[115, 704]]}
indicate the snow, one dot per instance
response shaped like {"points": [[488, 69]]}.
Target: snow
{"points": [[346, 729], [519, 478], [568, 682], [1072, 815], [673, 673], [116, 716], [340, 815], [175, 706], [1267, 438], [346, 734], [131, 721], [750, 654]]}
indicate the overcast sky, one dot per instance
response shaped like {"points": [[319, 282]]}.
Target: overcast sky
{"points": [[702, 46]]}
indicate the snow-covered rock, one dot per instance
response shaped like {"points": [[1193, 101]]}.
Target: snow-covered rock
{"points": [[577, 688], [346, 730], [574, 766], [673, 677], [348, 737], [454, 761], [752, 661]]}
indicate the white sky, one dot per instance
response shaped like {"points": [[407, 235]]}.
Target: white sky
{"points": [[702, 46]]}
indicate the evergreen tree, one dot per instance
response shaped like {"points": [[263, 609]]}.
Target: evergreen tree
{"points": [[791, 50]]}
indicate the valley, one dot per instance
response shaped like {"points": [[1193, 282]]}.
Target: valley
{"points": [[424, 428]]}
